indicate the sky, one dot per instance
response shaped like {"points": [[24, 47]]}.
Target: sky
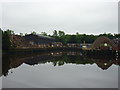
{"points": [[70, 16]]}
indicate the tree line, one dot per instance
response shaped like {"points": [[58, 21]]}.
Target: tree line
{"points": [[79, 38], [60, 36]]}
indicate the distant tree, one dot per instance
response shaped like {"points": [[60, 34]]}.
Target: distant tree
{"points": [[44, 33], [26, 34], [9, 32], [116, 35], [6, 43], [33, 32], [72, 39], [61, 33], [55, 34], [21, 34], [77, 33]]}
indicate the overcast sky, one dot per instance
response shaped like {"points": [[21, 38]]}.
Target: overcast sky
{"points": [[71, 16]]}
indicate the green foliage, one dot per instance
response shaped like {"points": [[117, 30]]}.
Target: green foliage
{"points": [[6, 43], [109, 35], [61, 33], [72, 39], [33, 32], [59, 36], [55, 34], [116, 35], [78, 38], [44, 33], [21, 34]]}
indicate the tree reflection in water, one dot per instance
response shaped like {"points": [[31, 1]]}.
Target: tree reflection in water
{"points": [[57, 59]]}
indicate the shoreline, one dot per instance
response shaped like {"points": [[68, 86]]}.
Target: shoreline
{"points": [[91, 53]]}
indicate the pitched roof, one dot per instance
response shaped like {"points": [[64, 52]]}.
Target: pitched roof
{"points": [[101, 40], [39, 39]]}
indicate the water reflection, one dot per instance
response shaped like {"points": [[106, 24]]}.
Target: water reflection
{"points": [[57, 59]]}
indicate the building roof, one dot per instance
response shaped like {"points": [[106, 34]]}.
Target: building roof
{"points": [[39, 39], [102, 40]]}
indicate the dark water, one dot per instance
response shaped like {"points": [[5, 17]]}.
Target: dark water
{"points": [[59, 70]]}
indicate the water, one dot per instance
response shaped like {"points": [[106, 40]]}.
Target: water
{"points": [[59, 70]]}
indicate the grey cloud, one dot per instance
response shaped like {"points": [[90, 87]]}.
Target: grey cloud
{"points": [[70, 16]]}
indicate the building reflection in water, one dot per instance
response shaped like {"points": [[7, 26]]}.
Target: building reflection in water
{"points": [[57, 59]]}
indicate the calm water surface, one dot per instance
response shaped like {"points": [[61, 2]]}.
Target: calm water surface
{"points": [[59, 70]]}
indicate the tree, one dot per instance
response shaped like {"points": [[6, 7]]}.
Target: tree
{"points": [[21, 34], [55, 34], [61, 33], [44, 33], [77, 33], [9, 32], [33, 32], [72, 39], [6, 43], [26, 34], [116, 35]]}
